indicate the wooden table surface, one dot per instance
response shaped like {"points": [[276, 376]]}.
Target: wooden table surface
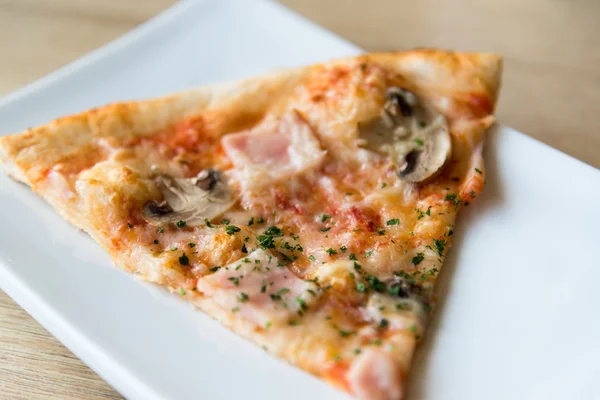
{"points": [[551, 91]]}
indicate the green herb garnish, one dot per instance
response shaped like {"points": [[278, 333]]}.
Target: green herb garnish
{"points": [[416, 260], [231, 229], [184, 260]]}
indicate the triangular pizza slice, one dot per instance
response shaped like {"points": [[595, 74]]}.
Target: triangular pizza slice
{"points": [[309, 210]]}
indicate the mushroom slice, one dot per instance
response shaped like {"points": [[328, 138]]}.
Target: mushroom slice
{"points": [[414, 136], [192, 200]]}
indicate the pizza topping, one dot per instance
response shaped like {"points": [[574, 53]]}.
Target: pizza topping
{"points": [[374, 375], [269, 292], [273, 152], [189, 201], [414, 136]]}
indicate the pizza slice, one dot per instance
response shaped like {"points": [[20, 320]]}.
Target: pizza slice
{"points": [[309, 210]]}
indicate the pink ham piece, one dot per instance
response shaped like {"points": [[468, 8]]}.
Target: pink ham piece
{"points": [[273, 152], [374, 376], [256, 289]]}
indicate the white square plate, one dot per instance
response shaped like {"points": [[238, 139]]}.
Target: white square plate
{"points": [[519, 320]]}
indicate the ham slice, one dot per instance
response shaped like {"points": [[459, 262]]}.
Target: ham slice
{"points": [[259, 289], [273, 152], [375, 376]]}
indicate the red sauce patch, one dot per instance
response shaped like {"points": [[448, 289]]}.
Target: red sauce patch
{"points": [[363, 218], [329, 84], [480, 104], [336, 374]]}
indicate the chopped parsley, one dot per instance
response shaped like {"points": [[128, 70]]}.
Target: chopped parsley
{"points": [[251, 221], [192, 245], [416, 260], [352, 256], [454, 199], [368, 253], [207, 222], [383, 185], [312, 292], [182, 291], [235, 309], [375, 283], [225, 221], [275, 297], [325, 229], [243, 297], [215, 269], [312, 258], [419, 142], [422, 124], [344, 333], [260, 220], [265, 242], [472, 193], [331, 251], [423, 213], [343, 249], [181, 223], [394, 221], [383, 323], [184, 260], [301, 303], [381, 232], [244, 249], [274, 231], [156, 241], [268, 325], [325, 217], [478, 171], [234, 279], [439, 245], [231, 229], [360, 287], [161, 229], [129, 225]]}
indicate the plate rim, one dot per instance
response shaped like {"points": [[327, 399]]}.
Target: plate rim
{"points": [[123, 379]]}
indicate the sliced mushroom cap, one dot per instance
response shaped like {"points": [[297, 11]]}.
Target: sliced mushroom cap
{"points": [[414, 136], [189, 199]]}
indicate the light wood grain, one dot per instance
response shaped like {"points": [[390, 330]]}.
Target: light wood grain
{"points": [[551, 91]]}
